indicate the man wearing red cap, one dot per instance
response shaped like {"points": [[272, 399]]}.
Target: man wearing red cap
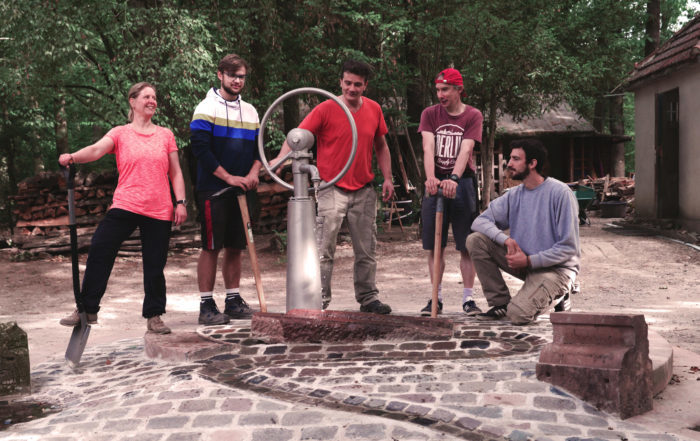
{"points": [[450, 131]]}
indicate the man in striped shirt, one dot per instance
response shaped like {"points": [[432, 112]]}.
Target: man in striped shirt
{"points": [[224, 131]]}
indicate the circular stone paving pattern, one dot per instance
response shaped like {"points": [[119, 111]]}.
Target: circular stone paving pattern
{"points": [[384, 377]]}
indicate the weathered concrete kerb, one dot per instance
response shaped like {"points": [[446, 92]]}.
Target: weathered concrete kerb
{"points": [[478, 384]]}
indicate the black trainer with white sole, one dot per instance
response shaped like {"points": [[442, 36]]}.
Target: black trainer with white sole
{"points": [[428, 309], [470, 308], [209, 313], [237, 308], [563, 303], [495, 313]]}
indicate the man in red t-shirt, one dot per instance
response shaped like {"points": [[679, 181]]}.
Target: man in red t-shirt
{"points": [[352, 197], [450, 131]]}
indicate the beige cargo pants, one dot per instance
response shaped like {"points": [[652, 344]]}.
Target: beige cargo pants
{"points": [[541, 286]]}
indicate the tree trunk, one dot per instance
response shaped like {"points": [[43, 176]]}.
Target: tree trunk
{"points": [[60, 132], [291, 114], [415, 93], [599, 114], [617, 127], [653, 26], [61, 126], [487, 150], [415, 103]]}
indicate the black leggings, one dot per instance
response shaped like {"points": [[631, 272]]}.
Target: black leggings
{"points": [[114, 229]]}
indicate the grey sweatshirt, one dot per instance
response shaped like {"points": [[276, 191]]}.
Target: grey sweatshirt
{"points": [[543, 221]]}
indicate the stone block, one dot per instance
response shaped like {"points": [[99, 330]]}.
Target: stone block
{"points": [[14, 360], [601, 358], [305, 325], [181, 346]]}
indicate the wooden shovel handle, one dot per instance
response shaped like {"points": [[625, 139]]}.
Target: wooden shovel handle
{"points": [[437, 257], [243, 204]]}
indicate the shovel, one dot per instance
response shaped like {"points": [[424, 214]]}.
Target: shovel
{"points": [[245, 216], [437, 251], [80, 334]]}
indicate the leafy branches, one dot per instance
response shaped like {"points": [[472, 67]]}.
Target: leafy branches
{"points": [[69, 64]]}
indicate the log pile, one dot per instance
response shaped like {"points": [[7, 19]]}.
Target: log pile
{"points": [[41, 212], [272, 203], [610, 189], [40, 205]]}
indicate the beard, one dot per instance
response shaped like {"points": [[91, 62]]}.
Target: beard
{"points": [[230, 91], [519, 176]]}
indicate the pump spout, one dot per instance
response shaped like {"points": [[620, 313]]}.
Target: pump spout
{"points": [[312, 171]]}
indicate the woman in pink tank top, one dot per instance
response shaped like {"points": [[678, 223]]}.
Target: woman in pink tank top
{"points": [[148, 164]]}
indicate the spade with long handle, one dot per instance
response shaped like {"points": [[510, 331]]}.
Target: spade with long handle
{"points": [[81, 331]]}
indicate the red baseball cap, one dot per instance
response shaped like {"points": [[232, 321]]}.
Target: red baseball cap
{"points": [[450, 76]]}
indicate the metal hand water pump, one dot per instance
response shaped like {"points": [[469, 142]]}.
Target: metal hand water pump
{"points": [[303, 267]]}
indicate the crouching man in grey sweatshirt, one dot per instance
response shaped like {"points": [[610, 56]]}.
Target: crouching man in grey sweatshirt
{"points": [[542, 247]]}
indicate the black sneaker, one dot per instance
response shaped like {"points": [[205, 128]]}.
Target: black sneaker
{"points": [[428, 310], [495, 313], [237, 308], [376, 307], [209, 314], [325, 302], [470, 308], [563, 303]]}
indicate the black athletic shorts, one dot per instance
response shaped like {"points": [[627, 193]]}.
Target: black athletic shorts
{"points": [[220, 219]]}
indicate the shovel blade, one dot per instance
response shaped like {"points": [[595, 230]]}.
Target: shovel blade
{"points": [[76, 345]]}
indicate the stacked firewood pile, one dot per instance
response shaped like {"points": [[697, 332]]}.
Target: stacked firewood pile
{"points": [[41, 212], [41, 207], [610, 189], [272, 204]]}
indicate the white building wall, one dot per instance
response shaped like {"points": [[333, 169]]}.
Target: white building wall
{"points": [[687, 81]]}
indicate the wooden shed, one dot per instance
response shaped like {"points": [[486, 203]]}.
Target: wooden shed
{"points": [[575, 149]]}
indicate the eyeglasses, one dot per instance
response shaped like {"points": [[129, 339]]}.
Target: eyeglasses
{"points": [[240, 77]]}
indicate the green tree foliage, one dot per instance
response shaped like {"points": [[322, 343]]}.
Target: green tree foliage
{"points": [[66, 65]]}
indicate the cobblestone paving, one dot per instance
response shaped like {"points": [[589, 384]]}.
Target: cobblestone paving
{"points": [[118, 394], [478, 385]]}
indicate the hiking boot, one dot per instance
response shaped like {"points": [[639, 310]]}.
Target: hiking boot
{"points": [[237, 308], [376, 307], [563, 303], [495, 313], [470, 308], [74, 319], [428, 310], [325, 301], [155, 324], [209, 314]]}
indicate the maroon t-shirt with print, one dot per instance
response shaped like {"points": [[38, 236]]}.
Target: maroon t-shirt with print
{"points": [[449, 132]]}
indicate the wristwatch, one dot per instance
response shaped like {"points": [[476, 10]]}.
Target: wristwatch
{"points": [[181, 201], [454, 178]]}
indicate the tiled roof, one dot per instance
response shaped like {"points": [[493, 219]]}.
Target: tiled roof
{"points": [[682, 48]]}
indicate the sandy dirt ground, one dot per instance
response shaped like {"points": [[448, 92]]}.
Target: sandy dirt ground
{"points": [[622, 271]]}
